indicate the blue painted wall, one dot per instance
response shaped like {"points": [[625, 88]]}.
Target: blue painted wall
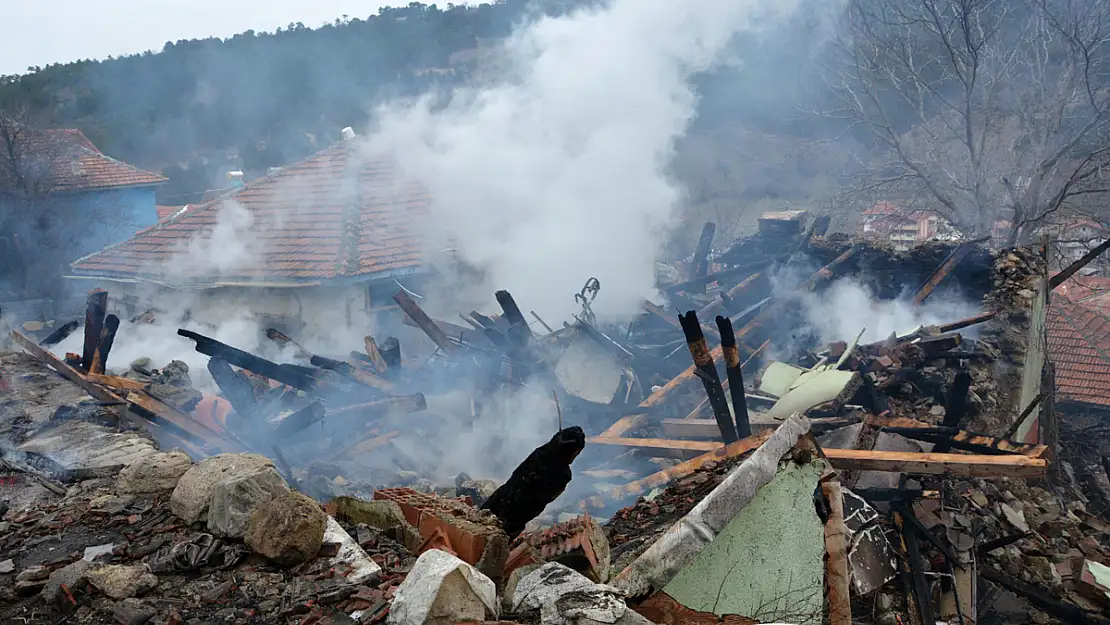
{"points": [[115, 215]]}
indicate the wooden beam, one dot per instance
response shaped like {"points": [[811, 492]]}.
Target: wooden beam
{"points": [[116, 382], [96, 307], [681, 469], [966, 465], [836, 565], [183, 422], [945, 268], [375, 355], [425, 323]]}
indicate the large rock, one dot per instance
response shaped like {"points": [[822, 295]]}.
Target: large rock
{"points": [[288, 529], [121, 582], [153, 474], [71, 576], [193, 494], [236, 497], [442, 590]]}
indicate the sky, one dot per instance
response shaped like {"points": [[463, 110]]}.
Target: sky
{"points": [[41, 32]]}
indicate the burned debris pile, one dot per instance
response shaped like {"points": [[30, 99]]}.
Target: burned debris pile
{"points": [[730, 456]]}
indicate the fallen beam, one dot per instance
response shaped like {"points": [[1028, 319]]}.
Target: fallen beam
{"points": [[700, 266], [400, 403], [375, 355], [1070, 270], [351, 372], [828, 272], [964, 323], [869, 460], [366, 445], [178, 420], [116, 382], [61, 334], [969, 441], [425, 323], [681, 469], [945, 268], [837, 571], [707, 428], [742, 270], [244, 360]]}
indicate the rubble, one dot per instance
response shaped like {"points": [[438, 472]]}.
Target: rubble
{"points": [[913, 479]]}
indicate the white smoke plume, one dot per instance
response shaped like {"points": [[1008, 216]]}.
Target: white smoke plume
{"points": [[230, 248], [559, 173], [844, 309]]}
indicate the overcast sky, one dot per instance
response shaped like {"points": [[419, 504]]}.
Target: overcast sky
{"points": [[40, 32]]}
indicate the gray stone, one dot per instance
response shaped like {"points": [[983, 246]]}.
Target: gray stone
{"points": [[193, 494], [236, 497], [565, 597], [1015, 517], [7, 566], [33, 574], [92, 553], [132, 612], [121, 582], [288, 529], [83, 445], [70, 576], [153, 474]]}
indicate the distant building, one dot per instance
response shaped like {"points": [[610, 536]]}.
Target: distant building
{"points": [[1073, 239], [904, 229]]}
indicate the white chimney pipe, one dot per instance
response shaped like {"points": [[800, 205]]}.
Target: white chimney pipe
{"points": [[348, 133]]}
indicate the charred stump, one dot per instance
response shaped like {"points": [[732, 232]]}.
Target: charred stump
{"points": [[538, 481], [733, 367], [96, 307], [707, 371]]}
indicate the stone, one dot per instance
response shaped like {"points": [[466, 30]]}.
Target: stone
{"points": [[122, 581], [33, 574], [193, 493], [565, 597], [7, 566], [153, 474], [512, 583], [237, 496], [478, 490], [980, 499], [380, 514], [1014, 517], [92, 553], [83, 445], [132, 612], [442, 590], [288, 529], [71, 577], [351, 561]]}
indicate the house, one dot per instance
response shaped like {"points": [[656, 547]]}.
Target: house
{"points": [[904, 229], [1079, 348], [316, 243], [1074, 239], [115, 199]]}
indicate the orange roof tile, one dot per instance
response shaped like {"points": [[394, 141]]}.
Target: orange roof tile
{"points": [[335, 214], [1079, 347], [70, 162], [168, 211]]}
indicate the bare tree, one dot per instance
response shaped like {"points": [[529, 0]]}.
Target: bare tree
{"points": [[981, 110]]}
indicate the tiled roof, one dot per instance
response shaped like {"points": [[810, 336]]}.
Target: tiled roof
{"points": [[336, 214], [73, 163], [1079, 347], [168, 211]]}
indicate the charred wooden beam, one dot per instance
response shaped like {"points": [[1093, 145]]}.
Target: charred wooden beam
{"points": [[60, 334], [952, 438], [1070, 270], [700, 282], [483, 320], [375, 355], [245, 360], [701, 253], [829, 271], [964, 323], [107, 338], [397, 403], [425, 323], [1045, 600], [300, 353], [391, 353], [733, 369], [96, 307], [350, 372], [236, 389], [116, 382], [933, 346], [536, 482], [945, 268], [707, 370], [519, 330], [1012, 430], [302, 419], [726, 300], [918, 598]]}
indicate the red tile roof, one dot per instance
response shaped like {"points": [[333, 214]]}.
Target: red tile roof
{"points": [[75, 164], [168, 211], [336, 214], [1079, 347]]}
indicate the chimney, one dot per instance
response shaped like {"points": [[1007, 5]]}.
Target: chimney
{"points": [[234, 179], [348, 133]]}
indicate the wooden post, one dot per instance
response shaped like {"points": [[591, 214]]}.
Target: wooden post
{"points": [[735, 376], [96, 307], [707, 371], [107, 338], [701, 255], [375, 355], [836, 567]]}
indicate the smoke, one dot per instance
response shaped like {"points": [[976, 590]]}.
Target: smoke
{"points": [[232, 247], [560, 172], [844, 309]]}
